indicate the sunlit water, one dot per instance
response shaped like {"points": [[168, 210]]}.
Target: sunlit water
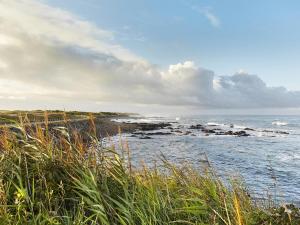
{"points": [[267, 161]]}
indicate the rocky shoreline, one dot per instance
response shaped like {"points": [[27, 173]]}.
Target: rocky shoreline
{"points": [[147, 130], [107, 127]]}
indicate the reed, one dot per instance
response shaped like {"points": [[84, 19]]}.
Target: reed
{"points": [[55, 176]]}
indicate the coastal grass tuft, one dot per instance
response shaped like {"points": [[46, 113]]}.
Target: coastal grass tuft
{"points": [[58, 176]]}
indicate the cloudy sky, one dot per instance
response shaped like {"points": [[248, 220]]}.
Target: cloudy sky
{"points": [[150, 55]]}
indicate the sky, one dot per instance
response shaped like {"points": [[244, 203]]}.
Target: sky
{"points": [[139, 55]]}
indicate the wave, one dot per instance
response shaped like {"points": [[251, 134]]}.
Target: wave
{"points": [[139, 120], [279, 123], [239, 126], [215, 124]]}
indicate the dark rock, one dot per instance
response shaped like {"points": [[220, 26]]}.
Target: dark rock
{"points": [[241, 133], [281, 132], [208, 131], [152, 126], [178, 131], [196, 127], [231, 125], [230, 132], [249, 129], [276, 132], [145, 137], [268, 131], [159, 133]]}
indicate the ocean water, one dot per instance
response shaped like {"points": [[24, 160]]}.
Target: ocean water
{"points": [[268, 161]]}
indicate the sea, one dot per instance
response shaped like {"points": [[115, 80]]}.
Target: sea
{"points": [[267, 161]]}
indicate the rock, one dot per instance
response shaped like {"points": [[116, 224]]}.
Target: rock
{"points": [[267, 131], [159, 133], [178, 131], [231, 125], [145, 137], [276, 132], [230, 132], [281, 132], [152, 126], [196, 127], [187, 132], [241, 133], [208, 131], [249, 129]]}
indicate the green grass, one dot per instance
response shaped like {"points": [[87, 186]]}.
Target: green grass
{"points": [[9, 117], [53, 177]]}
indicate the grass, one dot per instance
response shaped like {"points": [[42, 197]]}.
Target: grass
{"points": [[9, 117], [52, 176]]}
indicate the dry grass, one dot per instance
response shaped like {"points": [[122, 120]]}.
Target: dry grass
{"points": [[54, 177]]}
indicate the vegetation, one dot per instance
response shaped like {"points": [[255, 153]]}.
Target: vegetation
{"points": [[51, 176], [9, 117]]}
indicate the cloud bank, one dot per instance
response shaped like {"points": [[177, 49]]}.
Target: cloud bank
{"points": [[50, 55]]}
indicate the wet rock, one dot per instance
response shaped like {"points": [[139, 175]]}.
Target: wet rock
{"points": [[267, 131], [276, 132], [151, 133], [187, 132], [241, 133], [230, 132], [178, 131], [145, 137], [281, 132], [249, 129], [159, 133], [152, 126], [196, 127], [208, 131]]}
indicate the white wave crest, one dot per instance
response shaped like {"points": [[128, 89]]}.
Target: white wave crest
{"points": [[279, 123], [215, 124]]}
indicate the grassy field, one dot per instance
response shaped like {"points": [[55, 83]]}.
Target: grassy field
{"points": [[54, 177], [8, 117]]}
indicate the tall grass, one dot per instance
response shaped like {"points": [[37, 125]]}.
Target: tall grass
{"points": [[56, 176]]}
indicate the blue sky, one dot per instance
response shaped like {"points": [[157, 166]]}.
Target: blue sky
{"points": [[260, 37]]}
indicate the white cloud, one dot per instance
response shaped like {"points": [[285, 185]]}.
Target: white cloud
{"points": [[51, 57], [208, 13]]}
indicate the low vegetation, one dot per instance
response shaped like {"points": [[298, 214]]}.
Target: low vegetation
{"points": [[52, 176], [10, 117]]}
